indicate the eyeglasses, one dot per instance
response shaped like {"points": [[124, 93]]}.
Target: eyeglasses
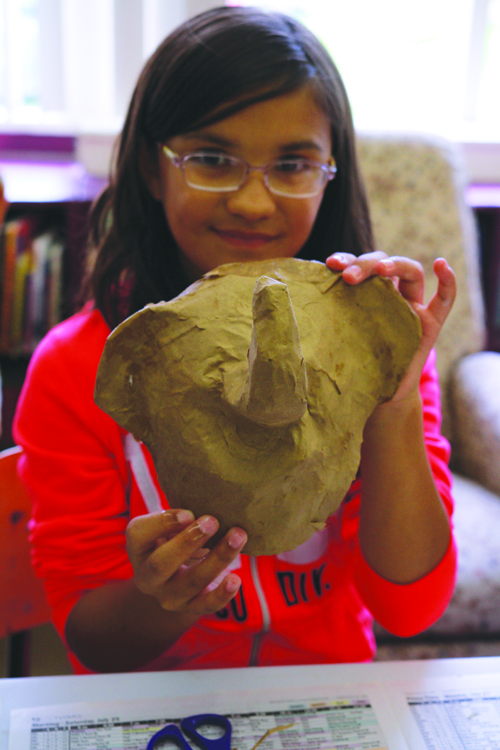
{"points": [[219, 173]]}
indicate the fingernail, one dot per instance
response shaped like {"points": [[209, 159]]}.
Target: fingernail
{"points": [[184, 516], [169, 515], [388, 264], [354, 272], [236, 538], [232, 584], [207, 524]]}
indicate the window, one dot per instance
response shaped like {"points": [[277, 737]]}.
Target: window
{"points": [[19, 70], [427, 66], [485, 102], [69, 66]]}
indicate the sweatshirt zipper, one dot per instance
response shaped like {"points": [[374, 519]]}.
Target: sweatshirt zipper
{"points": [[266, 617]]}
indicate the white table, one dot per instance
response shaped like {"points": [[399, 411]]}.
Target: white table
{"points": [[40, 691]]}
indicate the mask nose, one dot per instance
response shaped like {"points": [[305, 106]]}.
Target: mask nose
{"points": [[275, 391]]}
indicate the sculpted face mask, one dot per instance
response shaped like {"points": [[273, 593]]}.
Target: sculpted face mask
{"points": [[252, 388]]}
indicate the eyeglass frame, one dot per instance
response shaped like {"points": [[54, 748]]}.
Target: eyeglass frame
{"points": [[329, 169]]}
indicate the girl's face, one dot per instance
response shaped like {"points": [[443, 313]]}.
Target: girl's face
{"points": [[250, 223]]}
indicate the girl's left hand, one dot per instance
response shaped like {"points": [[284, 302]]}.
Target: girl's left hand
{"points": [[408, 276]]}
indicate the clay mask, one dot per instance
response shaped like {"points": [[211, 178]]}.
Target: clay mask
{"points": [[252, 388]]}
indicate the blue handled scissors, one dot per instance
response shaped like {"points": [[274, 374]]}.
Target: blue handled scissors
{"points": [[190, 725]]}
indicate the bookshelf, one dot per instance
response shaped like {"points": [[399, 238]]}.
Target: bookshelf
{"points": [[44, 183]]}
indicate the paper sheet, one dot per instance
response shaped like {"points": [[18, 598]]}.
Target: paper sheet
{"points": [[449, 713], [356, 719], [438, 714]]}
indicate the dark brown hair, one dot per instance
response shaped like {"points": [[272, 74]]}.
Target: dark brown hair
{"points": [[215, 64]]}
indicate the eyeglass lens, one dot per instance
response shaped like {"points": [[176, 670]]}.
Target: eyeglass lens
{"points": [[218, 172]]}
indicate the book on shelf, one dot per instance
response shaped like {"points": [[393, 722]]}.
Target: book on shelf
{"points": [[8, 259], [31, 266]]}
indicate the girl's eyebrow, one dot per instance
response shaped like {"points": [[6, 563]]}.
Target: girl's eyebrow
{"points": [[201, 135], [218, 140], [299, 145]]}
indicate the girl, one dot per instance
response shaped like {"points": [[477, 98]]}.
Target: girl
{"points": [[230, 105]]}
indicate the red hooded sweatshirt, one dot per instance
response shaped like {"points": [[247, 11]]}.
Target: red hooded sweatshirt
{"points": [[88, 478]]}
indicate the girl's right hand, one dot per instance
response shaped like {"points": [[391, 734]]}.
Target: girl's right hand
{"points": [[170, 563]]}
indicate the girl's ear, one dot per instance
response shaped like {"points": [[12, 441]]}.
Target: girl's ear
{"points": [[150, 171]]}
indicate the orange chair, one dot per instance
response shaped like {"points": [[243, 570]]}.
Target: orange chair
{"points": [[22, 599]]}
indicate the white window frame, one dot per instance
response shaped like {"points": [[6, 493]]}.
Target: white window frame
{"points": [[85, 88]]}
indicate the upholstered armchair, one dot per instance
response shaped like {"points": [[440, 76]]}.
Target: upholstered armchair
{"points": [[416, 190]]}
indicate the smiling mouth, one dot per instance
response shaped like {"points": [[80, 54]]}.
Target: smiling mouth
{"points": [[245, 239]]}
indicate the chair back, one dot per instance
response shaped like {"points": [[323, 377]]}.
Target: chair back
{"points": [[416, 192], [22, 598]]}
